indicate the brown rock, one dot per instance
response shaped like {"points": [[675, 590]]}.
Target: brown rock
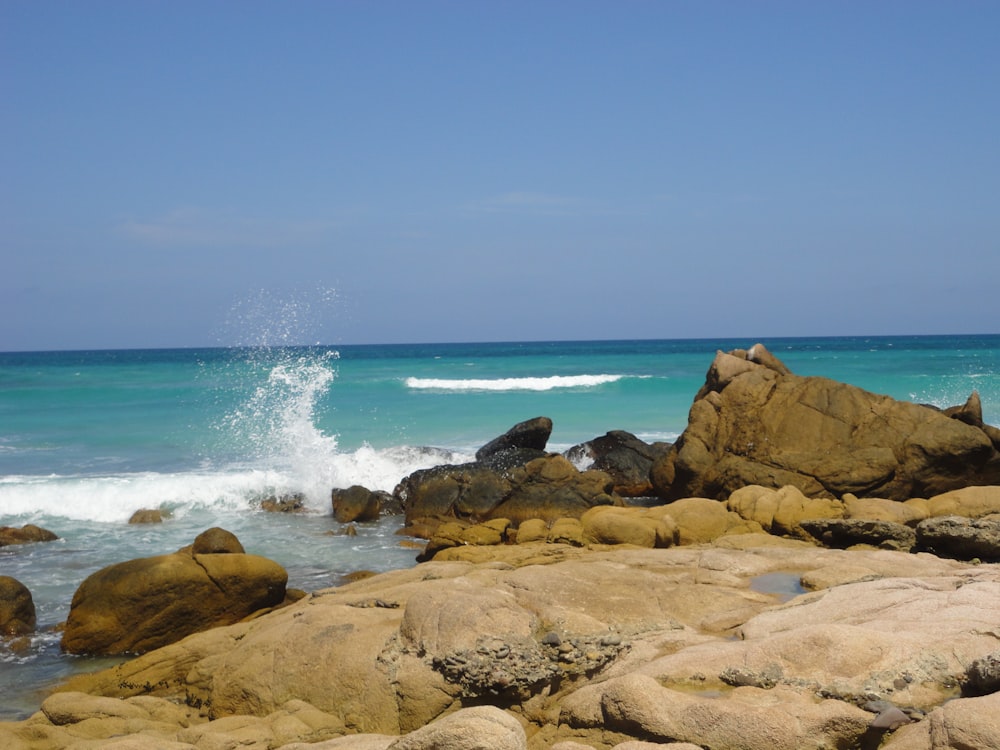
{"points": [[147, 515], [356, 503], [699, 519], [140, 605], [781, 511], [216, 541], [17, 609], [756, 424], [637, 526], [24, 535]]}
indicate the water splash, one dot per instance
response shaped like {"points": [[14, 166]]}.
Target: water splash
{"points": [[275, 428]]}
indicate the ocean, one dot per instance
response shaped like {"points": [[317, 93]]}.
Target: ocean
{"points": [[89, 437]]}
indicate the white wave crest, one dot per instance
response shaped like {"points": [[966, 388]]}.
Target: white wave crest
{"points": [[511, 384], [114, 498]]}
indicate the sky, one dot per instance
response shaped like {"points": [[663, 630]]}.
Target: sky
{"points": [[188, 173]]}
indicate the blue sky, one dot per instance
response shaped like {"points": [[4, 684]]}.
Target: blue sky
{"points": [[207, 173]]}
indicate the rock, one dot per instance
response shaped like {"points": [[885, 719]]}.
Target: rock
{"points": [[970, 502], [624, 457], [478, 728], [603, 647], [530, 435], [24, 535], [966, 723], [357, 503], [699, 519], [757, 424], [781, 511], [983, 675], [294, 503], [843, 533], [637, 526], [147, 515], [17, 609], [547, 487], [909, 513], [216, 541], [752, 718], [961, 538], [140, 605]]}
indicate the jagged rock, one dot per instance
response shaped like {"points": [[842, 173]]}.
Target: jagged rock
{"points": [[140, 605], [624, 457], [17, 608], [961, 538], [757, 424]]}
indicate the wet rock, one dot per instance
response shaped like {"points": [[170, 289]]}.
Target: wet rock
{"points": [[24, 535], [147, 515], [17, 608], [624, 457], [357, 503], [216, 541], [294, 503], [530, 435]]}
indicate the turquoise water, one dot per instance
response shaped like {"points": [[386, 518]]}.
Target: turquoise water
{"points": [[87, 438]]}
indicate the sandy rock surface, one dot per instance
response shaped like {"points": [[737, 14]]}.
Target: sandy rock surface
{"points": [[715, 645]]}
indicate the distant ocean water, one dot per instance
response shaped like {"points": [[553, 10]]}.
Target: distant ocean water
{"points": [[87, 438]]}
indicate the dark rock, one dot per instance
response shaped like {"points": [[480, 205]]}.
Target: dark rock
{"points": [[24, 535], [754, 423], [961, 538], [532, 434], [841, 533], [626, 458], [983, 676], [17, 609]]}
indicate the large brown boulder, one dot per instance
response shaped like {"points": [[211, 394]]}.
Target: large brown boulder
{"points": [[754, 423], [17, 608], [140, 605]]}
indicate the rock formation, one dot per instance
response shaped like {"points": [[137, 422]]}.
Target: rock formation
{"points": [[140, 605], [755, 423]]}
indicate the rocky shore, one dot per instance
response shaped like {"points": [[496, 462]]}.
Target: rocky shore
{"points": [[810, 566]]}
